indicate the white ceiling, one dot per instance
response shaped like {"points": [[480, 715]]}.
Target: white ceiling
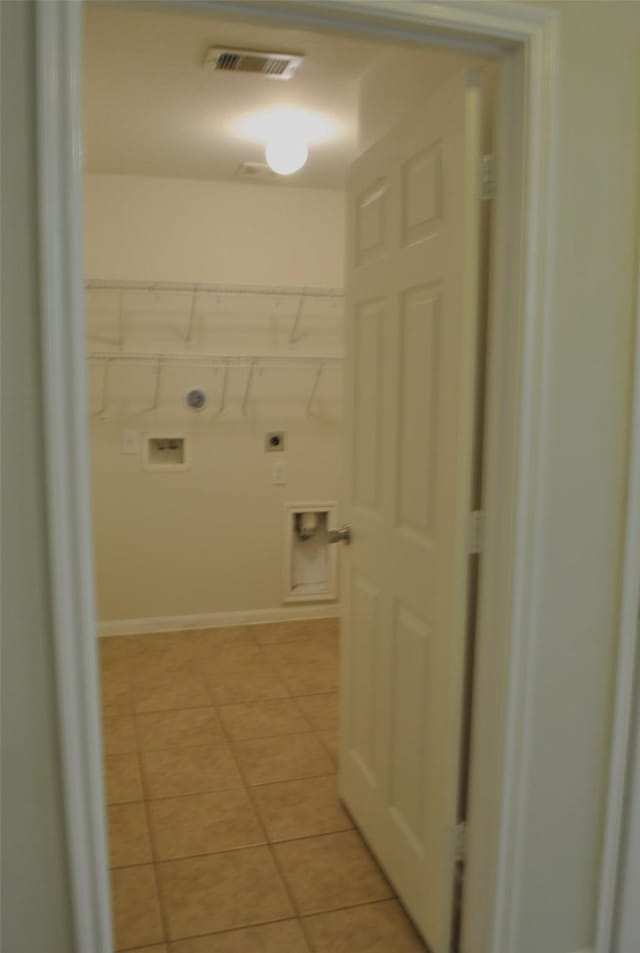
{"points": [[151, 108]]}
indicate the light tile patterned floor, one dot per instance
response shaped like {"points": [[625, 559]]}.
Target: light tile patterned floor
{"points": [[226, 834]]}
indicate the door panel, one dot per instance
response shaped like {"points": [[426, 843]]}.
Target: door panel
{"points": [[410, 363], [418, 411], [422, 194], [367, 375], [365, 601]]}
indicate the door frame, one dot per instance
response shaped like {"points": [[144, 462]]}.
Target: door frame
{"points": [[519, 327]]}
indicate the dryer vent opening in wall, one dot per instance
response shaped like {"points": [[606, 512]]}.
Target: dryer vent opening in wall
{"points": [[166, 453], [310, 560]]}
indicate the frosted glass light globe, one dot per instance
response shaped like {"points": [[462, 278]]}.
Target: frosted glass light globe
{"points": [[286, 156]]}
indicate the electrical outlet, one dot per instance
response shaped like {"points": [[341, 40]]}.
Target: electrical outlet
{"points": [[130, 441], [279, 473]]}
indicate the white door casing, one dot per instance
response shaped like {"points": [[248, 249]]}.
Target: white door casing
{"points": [[522, 320], [411, 345]]}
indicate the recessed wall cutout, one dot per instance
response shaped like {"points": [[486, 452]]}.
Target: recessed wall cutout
{"points": [[310, 562], [274, 441], [166, 453]]}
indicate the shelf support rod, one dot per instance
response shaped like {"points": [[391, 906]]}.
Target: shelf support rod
{"points": [[103, 391], [314, 389], [121, 321], [188, 358], [223, 393], [247, 389], [192, 314], [156, 393], [172, 287], [156, 390], [296, 321]]}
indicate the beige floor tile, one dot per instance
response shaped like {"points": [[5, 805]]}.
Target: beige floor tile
{"points": [[329, 639], [189, 727], [116, 665], [115, 694], [150, 665], [170, 687], [266, 760], [313, 678], [207, 641], [160, 647], [129, 842], [284, 937], [323, 711], [307, 652], [112, 649], [325, 639], [276, 716], [175, 771], [273, 633], [331, 741], [249, 685], [203, 824], [118, 734], [150, 949], [326, 873], [309, 668], [136, 911], [221, 892], [374, 928], [230, 658], [293, 809], [122, 778]]}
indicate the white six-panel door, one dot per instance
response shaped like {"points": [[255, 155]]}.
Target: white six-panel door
{"points": [[411, 367]]}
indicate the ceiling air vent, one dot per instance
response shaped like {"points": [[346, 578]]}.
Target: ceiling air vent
{"points": [[271, 65]]}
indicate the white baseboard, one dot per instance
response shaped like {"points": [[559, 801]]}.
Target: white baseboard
{"points": [[216, 619]]}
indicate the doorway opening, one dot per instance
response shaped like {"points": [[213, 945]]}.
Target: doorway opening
{"points": [[216, 312]]}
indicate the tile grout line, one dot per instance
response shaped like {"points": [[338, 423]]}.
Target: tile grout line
{"points": [[327, 749], [246, 787], [292, 901], [152, 842], [274, 861], [243, 777], [214, 933], [233, 850], [272, 854], [229, 738], [219, 790], [266, 923]]}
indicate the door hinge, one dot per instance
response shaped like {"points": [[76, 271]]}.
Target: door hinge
{"points": [[475, 531], [488, 178], [460, 843]]}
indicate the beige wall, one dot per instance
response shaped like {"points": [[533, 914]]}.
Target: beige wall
{"points": [[158, 535], [395, 85], [180, 230], [35, 885]]}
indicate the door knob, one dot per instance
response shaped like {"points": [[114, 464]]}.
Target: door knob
{"points": [[342, 535]]}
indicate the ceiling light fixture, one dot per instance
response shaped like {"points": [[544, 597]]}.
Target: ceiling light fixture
{"points": [[282, 122], [286, 155], [286, 133]]}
